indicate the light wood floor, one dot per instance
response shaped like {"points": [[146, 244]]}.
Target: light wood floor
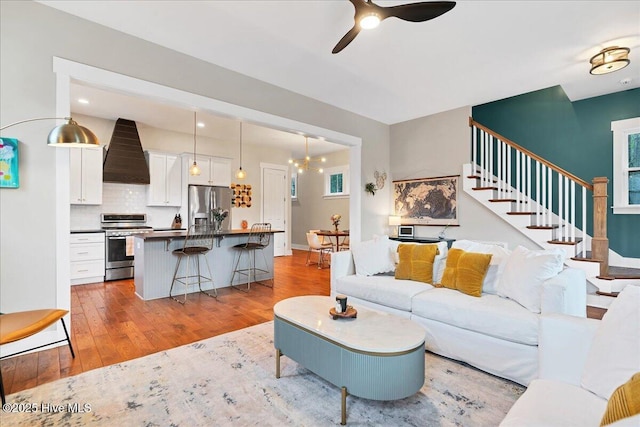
{"points": [[110, 324]]}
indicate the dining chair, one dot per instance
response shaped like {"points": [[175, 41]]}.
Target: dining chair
{"points": [[323, 239], [316, 245]]}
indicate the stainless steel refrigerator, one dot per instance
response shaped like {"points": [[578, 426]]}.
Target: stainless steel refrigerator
{"points": [[203, 199]]}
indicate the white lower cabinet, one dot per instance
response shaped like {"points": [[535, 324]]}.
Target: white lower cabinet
{"points": [[87, 256]]}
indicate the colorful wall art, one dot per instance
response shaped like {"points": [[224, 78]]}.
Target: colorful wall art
{"points": [[9, 176], [241, 195]]}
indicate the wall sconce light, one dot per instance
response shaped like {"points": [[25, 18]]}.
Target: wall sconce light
{"points": [[609, 59]]}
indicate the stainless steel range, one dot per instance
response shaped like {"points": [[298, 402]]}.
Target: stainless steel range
{"points": [[119, 236]]}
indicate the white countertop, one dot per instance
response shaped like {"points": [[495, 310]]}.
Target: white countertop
{"points": [[372, 331]]}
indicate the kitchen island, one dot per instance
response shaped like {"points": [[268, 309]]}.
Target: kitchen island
{"points": [[155, 262]]}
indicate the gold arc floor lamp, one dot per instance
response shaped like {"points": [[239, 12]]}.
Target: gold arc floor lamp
{"points": [[67, 135]]}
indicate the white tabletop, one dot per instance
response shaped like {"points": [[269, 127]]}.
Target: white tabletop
{"points": [[372, 331]]}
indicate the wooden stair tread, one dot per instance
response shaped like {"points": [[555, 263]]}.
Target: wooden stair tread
{"points": [[565, 241], [608, 294], [543, 227], [521, 213], [484, 188], [585, 259], [502, 200]]}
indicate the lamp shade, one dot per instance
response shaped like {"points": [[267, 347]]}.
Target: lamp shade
{"points": [[71, 134], [68, 135], [609, 60], [395, 220]]}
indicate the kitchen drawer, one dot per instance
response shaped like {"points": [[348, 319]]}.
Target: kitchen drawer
{"points": [[81, 269], [86, 238], [86, 252]]}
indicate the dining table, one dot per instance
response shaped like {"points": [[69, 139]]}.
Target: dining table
{"points": [[334, 233]]}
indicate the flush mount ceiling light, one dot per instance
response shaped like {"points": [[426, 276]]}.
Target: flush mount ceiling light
{"points": [[369, 21], [609, 59], [194, 170], [306, 163]]}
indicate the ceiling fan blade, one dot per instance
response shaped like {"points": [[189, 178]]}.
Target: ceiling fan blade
{"points": [[346, 39], [419, 12]]}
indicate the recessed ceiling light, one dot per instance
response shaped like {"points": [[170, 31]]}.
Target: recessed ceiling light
{"points": [[200, 124], [83, 101]]}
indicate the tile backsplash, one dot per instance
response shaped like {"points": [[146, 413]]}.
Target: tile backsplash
{"points": [[121, 198]]}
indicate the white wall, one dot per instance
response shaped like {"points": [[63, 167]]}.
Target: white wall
{"points": [[438, 145], [31, 35]]}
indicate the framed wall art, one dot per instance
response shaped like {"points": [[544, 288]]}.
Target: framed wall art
{"points": [[241, 195], [427, 201], [9, 173]]}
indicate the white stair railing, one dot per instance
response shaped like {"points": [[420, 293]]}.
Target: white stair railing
{"points": [[530, 183]]}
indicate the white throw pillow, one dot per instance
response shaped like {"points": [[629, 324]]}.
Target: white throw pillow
{"points": [[372, 256], [614, 355], [524, 273], [499, 258]]}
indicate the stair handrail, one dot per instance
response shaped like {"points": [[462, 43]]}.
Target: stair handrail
{"points": [[558, 169]]}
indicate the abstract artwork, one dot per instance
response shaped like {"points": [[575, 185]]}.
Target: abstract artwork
{"points": [[9, 176]]}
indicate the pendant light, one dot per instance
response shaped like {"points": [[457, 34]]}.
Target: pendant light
{"points": [[194, 170], [240, 173]]}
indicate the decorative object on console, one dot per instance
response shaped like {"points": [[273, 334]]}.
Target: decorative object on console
{"points": [[306, 163], [609, 59], [194, 170], [69, 135], [241, 195], [244, 224], [240, 173], [427, 201], [9, 162]]}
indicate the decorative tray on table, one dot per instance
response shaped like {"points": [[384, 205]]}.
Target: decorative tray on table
{"points": [[350, 313]]}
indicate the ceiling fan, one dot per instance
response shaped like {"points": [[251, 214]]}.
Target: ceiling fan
{"points": [[369, 15]]}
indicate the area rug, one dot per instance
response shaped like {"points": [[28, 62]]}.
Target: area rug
{"points": [[230, 380]]}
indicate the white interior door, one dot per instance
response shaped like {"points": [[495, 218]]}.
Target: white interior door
{"points": [[274, 205]]}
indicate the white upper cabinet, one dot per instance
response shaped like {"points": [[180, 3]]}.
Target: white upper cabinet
{"points": [[165, 187], [85, 176], [213, 171]]}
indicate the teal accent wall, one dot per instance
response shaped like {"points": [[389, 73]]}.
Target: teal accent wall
{"points": [[576, 136]]}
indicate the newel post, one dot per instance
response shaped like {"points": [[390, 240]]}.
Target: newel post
{"points": [[600, 243]]}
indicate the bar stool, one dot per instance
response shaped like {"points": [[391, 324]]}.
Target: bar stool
{"points": [[258, 240], [198, 243], [23, 324]]}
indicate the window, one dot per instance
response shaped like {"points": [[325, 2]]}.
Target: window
{"points": [[294, 186], [626, 166], [336, 181]]}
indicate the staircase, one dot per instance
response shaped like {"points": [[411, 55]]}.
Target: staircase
{"points": [[549, 206]]}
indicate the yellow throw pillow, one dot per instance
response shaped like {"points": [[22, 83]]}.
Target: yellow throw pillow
{"points": [[624, 402], [416, 262], [403, 269], [470, 272], [449, 275]]}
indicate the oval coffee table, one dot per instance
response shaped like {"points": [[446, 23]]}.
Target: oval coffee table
{"points": [[378, 356]]}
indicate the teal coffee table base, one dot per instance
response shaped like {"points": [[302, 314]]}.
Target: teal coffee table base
{"points": [[376, 375]]}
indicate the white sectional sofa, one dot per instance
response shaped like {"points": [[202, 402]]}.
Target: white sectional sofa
{"points": [[582, 363], [491, 332]]}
